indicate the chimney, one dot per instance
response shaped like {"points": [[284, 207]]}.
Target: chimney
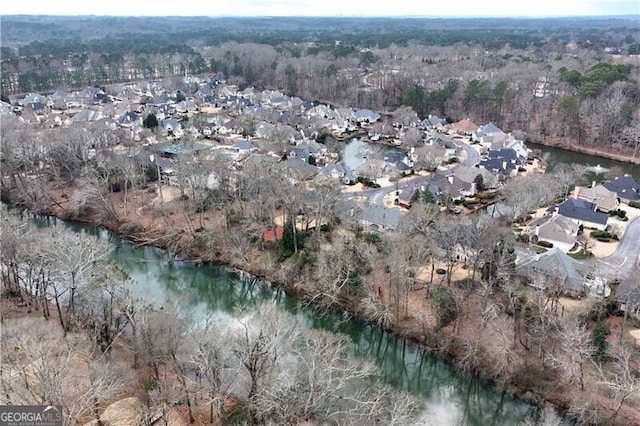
{"points": [[450, 179]]}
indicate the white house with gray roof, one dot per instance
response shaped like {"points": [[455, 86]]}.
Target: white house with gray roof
{"points": [[556, 271]]}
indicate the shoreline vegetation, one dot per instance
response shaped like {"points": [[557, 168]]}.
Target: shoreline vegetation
{"points": [[530, 381]]}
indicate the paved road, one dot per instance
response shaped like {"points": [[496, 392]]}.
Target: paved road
{"points": [[473, 156], [377, 195], [623, 263]]}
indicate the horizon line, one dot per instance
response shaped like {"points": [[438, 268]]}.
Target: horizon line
{"points": [[329, 16]]}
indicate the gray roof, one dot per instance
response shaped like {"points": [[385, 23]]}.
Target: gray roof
{"points": [[432, 121], [555, 264], [556, 228], [300, 169], [625, 186], [629, 291], [243, 144], [489, 128], [366, 114], [582, 210], [376, 216]]}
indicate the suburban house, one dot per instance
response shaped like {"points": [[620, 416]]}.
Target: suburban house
{"points": [[408, 195], [470, 174], [448, 183], [556, 271], [603, 198], [582, 213], [171, 126], [372, 216], [503, 162], [464, 127], [373, 169], [626, 187], [336, 171], [628, 296], [561, 231], [432, 122], [129, 119], [400, 161], [243, 146], [486, 133], [366, 116]]}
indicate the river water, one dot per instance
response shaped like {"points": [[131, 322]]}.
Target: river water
{"points": [[450, 396], [557, 156]]}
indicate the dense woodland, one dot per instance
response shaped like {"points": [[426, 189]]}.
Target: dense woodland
{"points": [[571, 80]]}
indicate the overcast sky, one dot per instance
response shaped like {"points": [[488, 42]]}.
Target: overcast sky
{"points": [[322, 7]]}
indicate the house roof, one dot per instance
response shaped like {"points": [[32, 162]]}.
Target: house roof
{"points": [[243, 144], [556, 228], [465, 126], [498, 165], [629, 291], [301, 169], [599, 195], [449, 183], [625, 186], [378, 216], [553, 263], [489, 128], [88, 115], [366, 114], [582, 210], [432, 121], [468, 174]]}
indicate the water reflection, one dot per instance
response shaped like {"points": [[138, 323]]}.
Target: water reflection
{"points": [[450, 396]]}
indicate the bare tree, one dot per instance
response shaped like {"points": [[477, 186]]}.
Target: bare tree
{"points": [[576, 348], [621, 380], [74, 258], [260, 344], [44, 368]]}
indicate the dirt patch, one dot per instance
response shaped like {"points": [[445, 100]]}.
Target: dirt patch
{"points": [[636, 335]]}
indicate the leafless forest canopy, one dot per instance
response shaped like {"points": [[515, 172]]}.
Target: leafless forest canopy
{"points": [[569, 79]]}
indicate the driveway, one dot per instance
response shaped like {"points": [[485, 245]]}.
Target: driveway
{"points": [[377, 195], [473, 156], [623, 263]]}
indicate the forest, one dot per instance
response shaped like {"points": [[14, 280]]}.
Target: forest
{"points": [[559, 81]]}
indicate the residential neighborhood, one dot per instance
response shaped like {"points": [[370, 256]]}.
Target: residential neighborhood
{"points": [[208, 118]]}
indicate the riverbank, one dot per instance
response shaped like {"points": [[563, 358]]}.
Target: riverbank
{"points": [[170, 227], [625, 156]]}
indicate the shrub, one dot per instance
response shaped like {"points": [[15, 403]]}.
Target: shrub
{"points": [[599, 341], [470, 202], [445, 303], [546, 244], [603, 235], [634, 204], [617, 212]]}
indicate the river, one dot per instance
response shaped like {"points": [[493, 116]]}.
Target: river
{"points": [[557, 156], [450, 396]]}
